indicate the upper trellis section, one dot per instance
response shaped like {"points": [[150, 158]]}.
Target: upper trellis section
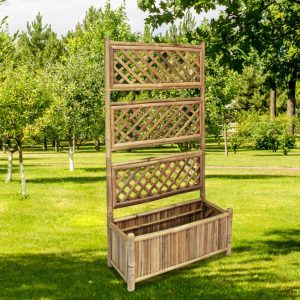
{"points": [[140, 66]]}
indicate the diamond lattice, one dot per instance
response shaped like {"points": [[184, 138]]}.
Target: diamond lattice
{"points": [[157, 179], [155, 122], [155, 66]]}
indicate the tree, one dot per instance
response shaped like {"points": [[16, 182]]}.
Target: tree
{"points": [[22, 100], [271, 27], [39, 45], [78, 84]]}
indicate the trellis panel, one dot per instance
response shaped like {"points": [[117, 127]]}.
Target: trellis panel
{"points": [[155, 66], [150, 243], [148, 124], [153, 179]]}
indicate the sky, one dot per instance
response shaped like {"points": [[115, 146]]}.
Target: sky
{"points": [[63, 15]]}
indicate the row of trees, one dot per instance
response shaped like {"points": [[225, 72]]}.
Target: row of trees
{"points": [[252, 59], [51, 88]]}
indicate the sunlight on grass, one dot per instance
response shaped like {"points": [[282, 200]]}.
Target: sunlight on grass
{"points": [[53, 244]]}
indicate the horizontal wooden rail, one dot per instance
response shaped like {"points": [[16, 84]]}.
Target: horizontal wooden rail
{"points": [[163, 220], [157, 197], [161, 86], [153, 160], [138, 45], [156, 210], [179, 228], [173, 100], [153, 143]]}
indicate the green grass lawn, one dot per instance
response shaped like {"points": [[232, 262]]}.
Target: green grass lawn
{"points": [[53, 244]]}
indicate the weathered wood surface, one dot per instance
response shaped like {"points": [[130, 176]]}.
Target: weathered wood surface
{"points": [[154, 66], [155, 123], [150, 243], [144, 181]]}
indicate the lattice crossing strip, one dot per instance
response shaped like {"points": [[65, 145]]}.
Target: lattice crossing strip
{"points": [[140, 125], [138, 182], [155, 66]]}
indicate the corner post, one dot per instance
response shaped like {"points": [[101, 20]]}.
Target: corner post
{"points": [[130, 263], [108, 149], [229, 231], [202, 126]]}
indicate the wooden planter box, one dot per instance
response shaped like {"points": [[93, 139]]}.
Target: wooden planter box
{"points": [[148, 244]]}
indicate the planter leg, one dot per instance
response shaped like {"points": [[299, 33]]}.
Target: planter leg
{"points": [[130, 263], [229, 231]]}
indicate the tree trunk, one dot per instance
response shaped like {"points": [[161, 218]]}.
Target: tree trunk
{"points": [[9, 167], [291, 101], [22, 173], [225, 142], [55, 145], [71, 153], [97, 145], [273, 101], [45, 147], [4, 149]]}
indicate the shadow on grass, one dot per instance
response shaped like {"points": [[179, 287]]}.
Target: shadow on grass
{"points": [[248, 176], [81, 180], [276, 154], [85, 275], [275, 242], [93, 169]]}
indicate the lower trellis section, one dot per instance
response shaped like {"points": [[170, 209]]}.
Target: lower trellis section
{"points": [[152, 243]]}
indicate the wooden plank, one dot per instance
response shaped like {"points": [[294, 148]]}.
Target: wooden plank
{"points": [[172, 206], [154, 104], [229, 231], [217, 208], [119, 271], [138, 45], [152, 143], [181, 227], [202, 125], [154, 160], [162, 220], [154, 86], [156, 197], [180, 265], [131, 263], [108, 149], [174, 100]]}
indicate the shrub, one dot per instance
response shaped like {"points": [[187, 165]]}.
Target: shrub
{"points": [[264, 133]]}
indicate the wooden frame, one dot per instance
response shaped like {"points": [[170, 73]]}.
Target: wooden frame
{"points": [[147, 244]]}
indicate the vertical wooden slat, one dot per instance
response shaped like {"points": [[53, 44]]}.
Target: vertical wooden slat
{"points": [[108, 149], [229, 231], [130, 263], [202, 124]]}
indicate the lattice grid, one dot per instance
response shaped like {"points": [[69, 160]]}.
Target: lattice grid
{"points": [[157, 179], [140, 123], [133, 66]]}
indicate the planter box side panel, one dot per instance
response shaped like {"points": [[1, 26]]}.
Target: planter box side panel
{"points": [[119, 252], [159, 253], [174, 210]]}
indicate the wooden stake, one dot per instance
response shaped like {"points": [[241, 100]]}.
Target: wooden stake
{"points": [[108, 150], [229, 231], [130, 263]]}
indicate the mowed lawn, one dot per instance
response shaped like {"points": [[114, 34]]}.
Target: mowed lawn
{"points": [[53, 244]]}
